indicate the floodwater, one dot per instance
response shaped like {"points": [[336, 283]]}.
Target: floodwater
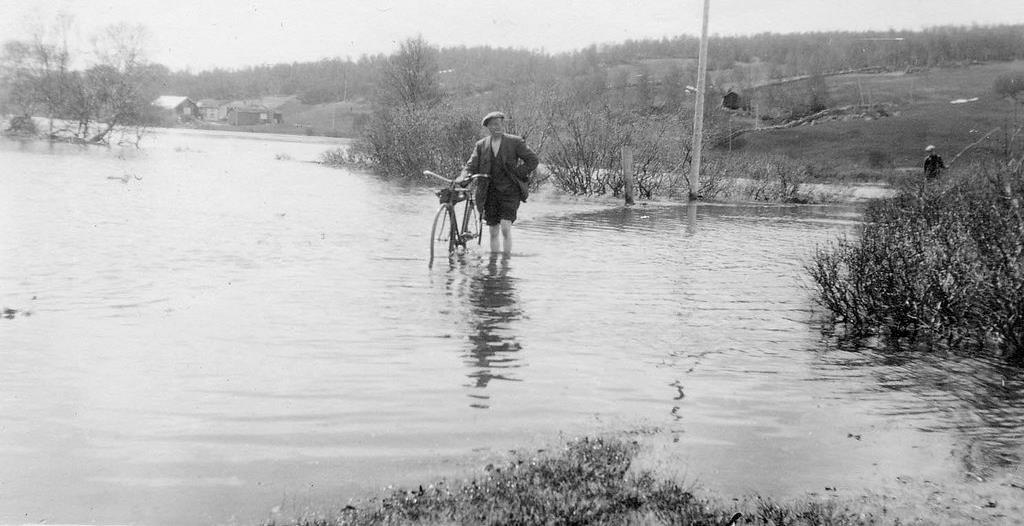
{"points": [[212, 330]]}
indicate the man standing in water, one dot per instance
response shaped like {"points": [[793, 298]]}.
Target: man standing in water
{"points": [[933, 165], [499, 155]]}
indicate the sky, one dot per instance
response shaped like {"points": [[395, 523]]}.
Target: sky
{"points": [[198, 35]]}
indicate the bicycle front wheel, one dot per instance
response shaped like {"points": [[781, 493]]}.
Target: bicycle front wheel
{"points": [[442, 233], [472, 223]]}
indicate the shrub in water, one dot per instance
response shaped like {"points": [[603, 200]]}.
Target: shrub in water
{"points": [[22, 125], [403, 141], [943, 264]]}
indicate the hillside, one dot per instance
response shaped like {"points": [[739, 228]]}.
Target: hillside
{"points": [[924, 107], [333, 119], [918, 106], [340, 119]]}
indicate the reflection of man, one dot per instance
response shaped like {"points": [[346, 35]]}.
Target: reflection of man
{"points": [[933, 165], [499, 155], [494, 305]]}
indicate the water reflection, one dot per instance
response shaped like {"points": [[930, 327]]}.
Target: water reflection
{"points": [[494, 306], [624, 319], [980, 400]]}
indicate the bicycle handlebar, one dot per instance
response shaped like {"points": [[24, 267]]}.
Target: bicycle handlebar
{"points": [[452, 181], [445, 179]]}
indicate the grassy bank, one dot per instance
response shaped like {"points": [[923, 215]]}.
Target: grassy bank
{"points": [[940, 265], [600, 480], [951, 108], [589, 481]]}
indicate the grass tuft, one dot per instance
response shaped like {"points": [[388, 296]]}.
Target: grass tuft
{"points": [[590, 481]]}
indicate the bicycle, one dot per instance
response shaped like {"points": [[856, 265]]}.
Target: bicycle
{"points": [[447, 234]]}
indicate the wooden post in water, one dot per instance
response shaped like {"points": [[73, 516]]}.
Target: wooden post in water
{"points": [[627, 173], [698, 108]]}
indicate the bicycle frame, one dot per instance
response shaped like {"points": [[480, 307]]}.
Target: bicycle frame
{"points": [[458, 233]]}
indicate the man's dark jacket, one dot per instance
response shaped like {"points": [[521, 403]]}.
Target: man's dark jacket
{"points": [[513, 149], [933, 166]]}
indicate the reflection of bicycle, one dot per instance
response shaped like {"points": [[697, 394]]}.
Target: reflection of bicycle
{"points": [[448, 235]]}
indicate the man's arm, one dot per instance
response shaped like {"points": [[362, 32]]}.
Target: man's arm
{"points": [[529, 158], [473, 164]]}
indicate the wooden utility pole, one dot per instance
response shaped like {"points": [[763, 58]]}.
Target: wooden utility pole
{"points": [[698, 108], [627, 173]]}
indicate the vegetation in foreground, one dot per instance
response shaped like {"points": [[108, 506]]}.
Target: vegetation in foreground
{"points": [[940, 265], [590, 481]]}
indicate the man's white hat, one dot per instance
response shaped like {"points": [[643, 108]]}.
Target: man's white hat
{"points": [[929, 148]]}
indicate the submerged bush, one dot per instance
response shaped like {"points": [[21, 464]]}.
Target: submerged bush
{"points": [[22, 125], [337, 157], [943, 263], [402, 141], [770, 178]]}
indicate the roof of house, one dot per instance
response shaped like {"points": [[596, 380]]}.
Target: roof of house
{"points": [[247, 107], [209, 103], [274, 103], [169, 102]]}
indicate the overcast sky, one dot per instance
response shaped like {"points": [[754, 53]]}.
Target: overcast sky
{"points": [[204, 34]]}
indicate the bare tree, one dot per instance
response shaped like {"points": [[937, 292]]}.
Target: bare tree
{"points": [[117, 85], [36, 72], [1011, 86], [115, 92], [409, 77]]}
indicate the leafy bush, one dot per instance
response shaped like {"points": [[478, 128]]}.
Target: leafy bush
{"points": [[337, 157], [585, 139], [22, 125], [403, 141], [773, 178], [583, 146], [939, 264]]}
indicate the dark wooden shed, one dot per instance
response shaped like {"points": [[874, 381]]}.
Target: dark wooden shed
{"points": [[731, 100]]}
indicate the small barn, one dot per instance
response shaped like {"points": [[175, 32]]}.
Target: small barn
{"points": [[241, 113], [181, 107], [212, 110], [731, 100], [251, 115]]}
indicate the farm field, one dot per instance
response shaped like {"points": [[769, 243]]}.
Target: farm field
{"points": [[951, 108]]}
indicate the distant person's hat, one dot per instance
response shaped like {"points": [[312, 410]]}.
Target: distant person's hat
{"points": [[492, 115], [929, 148]]}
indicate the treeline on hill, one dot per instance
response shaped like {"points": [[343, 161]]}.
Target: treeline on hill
{"points": [[596, 98], [465, 71]]}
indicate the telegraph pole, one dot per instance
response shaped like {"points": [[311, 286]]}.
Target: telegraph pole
{"points": [[698, 108]]}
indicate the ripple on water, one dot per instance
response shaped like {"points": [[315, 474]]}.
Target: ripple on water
{"points": [[230, 317]]}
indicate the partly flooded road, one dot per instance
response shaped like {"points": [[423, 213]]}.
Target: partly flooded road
{"points": [[210, 329]]}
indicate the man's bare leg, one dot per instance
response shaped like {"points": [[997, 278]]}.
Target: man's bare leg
{"points": [[495, 238], [506, 235]]}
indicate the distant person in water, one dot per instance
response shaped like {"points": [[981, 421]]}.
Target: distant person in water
{"points": [[933, 165], [508, 161]]}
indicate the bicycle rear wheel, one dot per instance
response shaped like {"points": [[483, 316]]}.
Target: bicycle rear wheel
{"points": [[442, 233]]}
